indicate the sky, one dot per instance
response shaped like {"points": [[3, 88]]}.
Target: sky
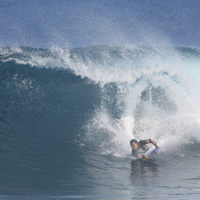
{"points": [[77, 23]]}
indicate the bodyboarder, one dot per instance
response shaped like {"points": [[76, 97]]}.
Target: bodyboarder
{"points": [[142, 149]]}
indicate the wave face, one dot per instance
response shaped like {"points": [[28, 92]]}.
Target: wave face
{"points": [[64, 112]]}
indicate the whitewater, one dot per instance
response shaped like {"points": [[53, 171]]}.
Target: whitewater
{"points": [[67, 116]]}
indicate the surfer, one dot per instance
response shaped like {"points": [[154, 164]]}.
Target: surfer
{"points": [[141, 149]]}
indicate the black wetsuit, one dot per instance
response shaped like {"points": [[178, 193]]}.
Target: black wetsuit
{"points": [[141, 149]]}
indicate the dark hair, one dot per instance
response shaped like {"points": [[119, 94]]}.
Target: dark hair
{"points": [[133, 140]]}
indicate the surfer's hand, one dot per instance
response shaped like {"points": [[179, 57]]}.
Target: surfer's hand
{"points": [[144, 156]]}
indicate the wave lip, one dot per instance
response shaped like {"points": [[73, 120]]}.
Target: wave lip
{"points": [[104, 64]]}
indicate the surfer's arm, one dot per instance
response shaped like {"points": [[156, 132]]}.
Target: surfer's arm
{"points": [[150, 151], [153, 142]]}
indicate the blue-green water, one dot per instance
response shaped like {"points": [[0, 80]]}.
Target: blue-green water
{"points": [[67, 116]]}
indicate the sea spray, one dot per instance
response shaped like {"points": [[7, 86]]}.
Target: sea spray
{"points": [[145, 92]]}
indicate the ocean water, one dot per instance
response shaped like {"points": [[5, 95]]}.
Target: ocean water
{"points": [[67, 116]]}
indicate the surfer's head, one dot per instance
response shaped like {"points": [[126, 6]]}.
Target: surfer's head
{"points": [[133, 140], [134, 144]]}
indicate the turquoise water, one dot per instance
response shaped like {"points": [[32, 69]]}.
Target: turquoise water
{"points": [[67, 116]]}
